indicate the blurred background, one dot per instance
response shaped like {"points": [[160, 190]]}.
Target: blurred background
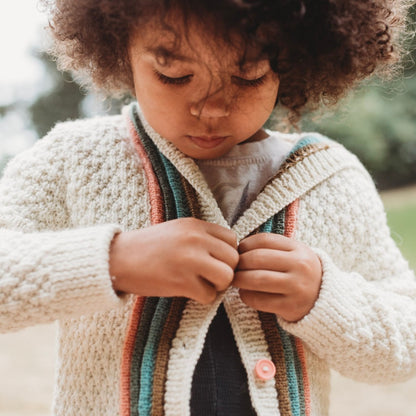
{"points": [[378, 123]]}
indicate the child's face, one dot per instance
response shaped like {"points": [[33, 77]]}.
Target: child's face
{"points": [[196, 95]]}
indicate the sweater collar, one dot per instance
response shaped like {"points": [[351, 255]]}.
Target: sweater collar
{"points": [[302, 171]]}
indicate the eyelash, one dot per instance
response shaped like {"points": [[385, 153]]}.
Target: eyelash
{"points": [[173, 81], [250, 82], [185, 79]]}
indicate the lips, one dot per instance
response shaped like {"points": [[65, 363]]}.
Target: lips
{"points": [[208, 142]]}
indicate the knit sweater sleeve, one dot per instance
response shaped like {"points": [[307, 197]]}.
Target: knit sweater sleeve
{"points": [[47, 270], [364, 321]]}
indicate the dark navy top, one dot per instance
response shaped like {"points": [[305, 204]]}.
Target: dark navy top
{"points": [[219, 386]]}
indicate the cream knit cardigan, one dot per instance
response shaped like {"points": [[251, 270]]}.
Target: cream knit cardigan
{"points": [[61, 203]]}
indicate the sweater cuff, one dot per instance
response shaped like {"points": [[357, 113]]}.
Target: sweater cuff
{"points": [[81, 282], [55, 275], [334, 314]]}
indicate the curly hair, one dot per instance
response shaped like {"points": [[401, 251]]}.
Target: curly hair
{"points": [[319, 48]]}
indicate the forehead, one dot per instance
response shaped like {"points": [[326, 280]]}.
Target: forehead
{"points": [[173, 41]]}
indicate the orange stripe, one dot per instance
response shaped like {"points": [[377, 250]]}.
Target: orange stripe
{"points": [[274, 341], [156, 200], [128, 348], [156, 217], [291, 218]]}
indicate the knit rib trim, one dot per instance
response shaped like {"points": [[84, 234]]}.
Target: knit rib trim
{"points": [[165, 338], [154, 321], [291, 380], [304, 169]]}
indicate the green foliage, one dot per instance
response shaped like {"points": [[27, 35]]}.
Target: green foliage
{"points": [[378, 124], [4, 109], [59, 103]]}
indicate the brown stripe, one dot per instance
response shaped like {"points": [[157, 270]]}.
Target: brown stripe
{"points": [[191, 197], [127, 356], [269, 326], [295, 158], [161, 365], [299, 155]]}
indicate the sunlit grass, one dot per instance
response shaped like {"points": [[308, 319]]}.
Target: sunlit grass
{"points": [[402, 222], [401, 216]]}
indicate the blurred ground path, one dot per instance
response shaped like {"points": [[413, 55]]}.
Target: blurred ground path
{"points": [[27, 369]]}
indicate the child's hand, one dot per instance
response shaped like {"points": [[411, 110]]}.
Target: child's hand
{"points": [[279, 275], [184, 257]]}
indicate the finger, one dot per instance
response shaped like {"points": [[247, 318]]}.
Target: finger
{"points": [[222, 233], [223, 252], [261, 301], [280, 305], [265, 259], [262, 281], [266, 240], [202, 291], [217, 273]]}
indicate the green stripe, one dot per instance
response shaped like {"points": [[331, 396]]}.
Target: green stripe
{"points": [[292, 362], [290, 371], [179, 195], [276, 224], [149, 356], [177, 204], [137, 355], [279, 222], [299, 375]]}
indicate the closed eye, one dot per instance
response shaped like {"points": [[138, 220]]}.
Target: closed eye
{"points": [[173, 81], [249, 82]]}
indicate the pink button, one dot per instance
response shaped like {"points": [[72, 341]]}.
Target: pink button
{"points": [[265, 369]]}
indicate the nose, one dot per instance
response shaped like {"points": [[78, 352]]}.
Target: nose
{"points": [[214, 104]]}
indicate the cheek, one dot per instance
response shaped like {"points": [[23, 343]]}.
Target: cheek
{"points": [[264, 97], [263, 102], [272, 90]]}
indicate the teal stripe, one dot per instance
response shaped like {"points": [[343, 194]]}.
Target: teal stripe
{"points": [[156, 310], [299, 374], [267, 226], [276, 224], [179, 195], [136, 359], [305, 141], [176, 206], [149, 356], [290, 371]]}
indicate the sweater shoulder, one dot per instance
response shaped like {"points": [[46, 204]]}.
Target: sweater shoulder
{"points": [[69, 139], [80, 147], [94, 131]]}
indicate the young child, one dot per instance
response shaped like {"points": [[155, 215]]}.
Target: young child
{"points": [[197, 263]]}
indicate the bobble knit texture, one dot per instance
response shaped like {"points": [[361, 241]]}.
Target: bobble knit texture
{"points": [[62, 201]]}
